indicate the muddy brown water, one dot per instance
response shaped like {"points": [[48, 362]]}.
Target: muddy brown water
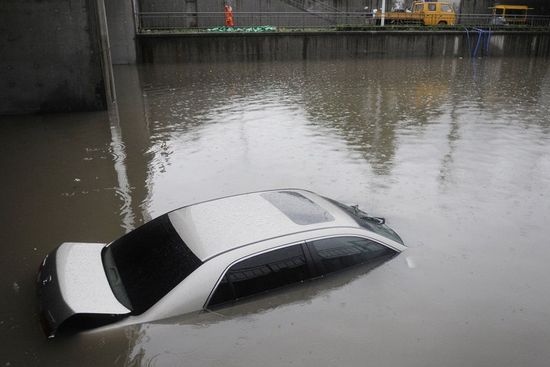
{"points": [[454, 153]]}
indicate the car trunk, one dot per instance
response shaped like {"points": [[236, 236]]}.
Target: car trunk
{"points": [[73, 288]]}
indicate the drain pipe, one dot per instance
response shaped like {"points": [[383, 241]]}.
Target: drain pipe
{"points": [[483, 40], [469, 45]]}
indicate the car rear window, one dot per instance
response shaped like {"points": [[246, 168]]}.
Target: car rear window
{"points": [[150, 261]]}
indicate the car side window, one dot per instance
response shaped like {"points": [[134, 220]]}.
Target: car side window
{"points": [[338, 253], [261, 273], [431, 7]]}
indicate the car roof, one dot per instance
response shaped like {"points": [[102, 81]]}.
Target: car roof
{"points": [[512, 7], [212, 227]]}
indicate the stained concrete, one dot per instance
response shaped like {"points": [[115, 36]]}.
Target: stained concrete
{"points": [[51, 56], [333, 45], [120, 20]]}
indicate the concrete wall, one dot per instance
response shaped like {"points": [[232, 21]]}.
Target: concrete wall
{"points": [[324, 45], [120, 21], [51, 56]]}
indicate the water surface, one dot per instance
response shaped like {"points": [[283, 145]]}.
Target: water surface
{"points": [[455, 155]]}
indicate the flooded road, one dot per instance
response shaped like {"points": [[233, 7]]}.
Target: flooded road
{"points": [[454, 154]]}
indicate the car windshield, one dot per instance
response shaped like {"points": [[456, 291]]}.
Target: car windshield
{"points": [[372, 224], [147, 263]]}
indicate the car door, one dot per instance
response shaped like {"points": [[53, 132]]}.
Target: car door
{"points": [[340, 252], [430, 13], [262, 272]]}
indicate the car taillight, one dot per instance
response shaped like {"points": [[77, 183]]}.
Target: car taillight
{"points": [[40, 267]]}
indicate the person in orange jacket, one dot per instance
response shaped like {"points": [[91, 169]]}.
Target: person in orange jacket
{"points": [[228, 10]]}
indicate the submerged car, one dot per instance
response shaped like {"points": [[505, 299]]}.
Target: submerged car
{"points": [[207, 255]]}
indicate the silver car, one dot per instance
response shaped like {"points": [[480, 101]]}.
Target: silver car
{"points": [[205, 256]]}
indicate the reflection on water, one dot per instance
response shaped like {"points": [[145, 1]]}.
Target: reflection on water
{"points": [[455, 154], [248, 121], [124, 191]]}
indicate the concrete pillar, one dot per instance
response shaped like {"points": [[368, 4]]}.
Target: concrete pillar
{"points": [[122, 32], [51, 56]]}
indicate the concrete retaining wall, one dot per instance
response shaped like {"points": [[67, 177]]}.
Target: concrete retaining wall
{"points": [[51, 56], [333, 45]]}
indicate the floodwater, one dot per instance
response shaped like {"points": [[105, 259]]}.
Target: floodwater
{"points": [[454, 153]]}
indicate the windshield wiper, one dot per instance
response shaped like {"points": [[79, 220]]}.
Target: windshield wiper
{"points": [[363, 215]]}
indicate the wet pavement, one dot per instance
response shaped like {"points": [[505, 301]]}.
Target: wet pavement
{"points": [[454, 153]]}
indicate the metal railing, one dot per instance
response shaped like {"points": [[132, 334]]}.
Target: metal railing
{"points": [[202, 20], [187, 21], [510, 21], [309, 5]]}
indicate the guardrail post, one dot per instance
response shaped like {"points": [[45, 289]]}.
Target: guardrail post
{"points": [[137, 18], [383, 16]]}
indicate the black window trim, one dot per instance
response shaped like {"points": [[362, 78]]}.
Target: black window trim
{"points": [[313, 263], [302, 244], [378, 241], [317, 260]]}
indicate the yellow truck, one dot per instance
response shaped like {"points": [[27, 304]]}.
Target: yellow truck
{"points": [[509, 14], [425, 13]]}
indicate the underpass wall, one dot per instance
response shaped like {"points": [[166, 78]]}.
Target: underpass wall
{"points": [[51, 56], [170, 48]]}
